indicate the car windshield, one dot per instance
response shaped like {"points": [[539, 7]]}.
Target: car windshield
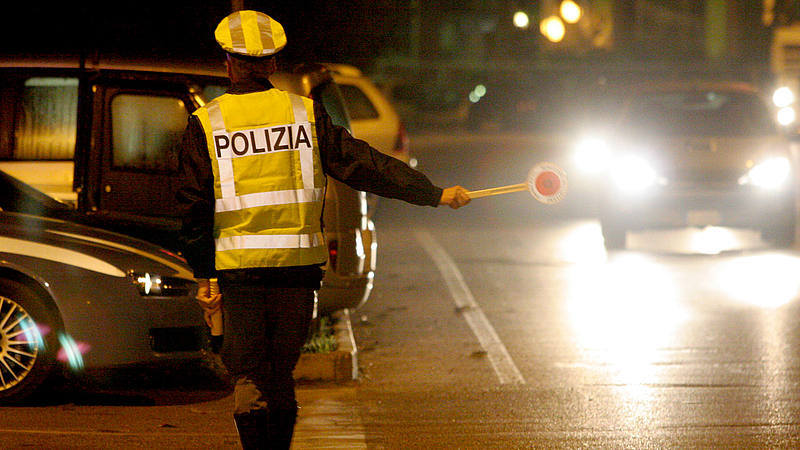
{"points": [[700, 112]]}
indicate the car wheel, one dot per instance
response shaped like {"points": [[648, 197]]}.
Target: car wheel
{"points": [[27, 341], [613, 236]]}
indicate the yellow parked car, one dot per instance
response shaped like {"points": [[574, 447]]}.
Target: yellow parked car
{"points": [[372, 116]]}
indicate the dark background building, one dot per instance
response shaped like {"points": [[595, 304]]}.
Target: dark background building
{"points": [[361, 31], [439, 47]]}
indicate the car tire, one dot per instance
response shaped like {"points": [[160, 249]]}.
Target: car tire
{"points": [[613, 236], [27, 351]]}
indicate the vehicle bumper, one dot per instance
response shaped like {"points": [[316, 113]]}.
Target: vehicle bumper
{"points": [[130, 329], [340, 292], [349, 286], [745, 208]]}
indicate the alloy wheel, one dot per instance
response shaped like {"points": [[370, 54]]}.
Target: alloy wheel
{"points": [[20, 342]]}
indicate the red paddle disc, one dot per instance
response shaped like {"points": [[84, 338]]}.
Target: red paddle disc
{"points": [[547, 182]]}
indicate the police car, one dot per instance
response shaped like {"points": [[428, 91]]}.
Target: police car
{"points": [[101, 136], [83, 298]]}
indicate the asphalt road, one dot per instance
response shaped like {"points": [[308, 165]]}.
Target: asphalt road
{"points": [[506, 324]]}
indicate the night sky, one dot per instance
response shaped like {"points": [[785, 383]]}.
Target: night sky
{"points": [[352, 31]]}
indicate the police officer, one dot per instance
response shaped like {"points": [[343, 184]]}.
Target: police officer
{"points": [[256, 160]]}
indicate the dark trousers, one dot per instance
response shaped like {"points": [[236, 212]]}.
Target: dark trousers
{"points": [[265, 329]]}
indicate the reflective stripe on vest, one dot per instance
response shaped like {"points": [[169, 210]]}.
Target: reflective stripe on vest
{"points": [[273, 226], [270, 241]]}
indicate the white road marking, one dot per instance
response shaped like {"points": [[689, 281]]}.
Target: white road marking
{"points": [[507, 372]]}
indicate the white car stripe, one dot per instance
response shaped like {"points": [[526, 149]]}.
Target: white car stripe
{"points": [[58, 254], [182, 272]]}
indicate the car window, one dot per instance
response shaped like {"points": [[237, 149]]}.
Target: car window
{"points": [[212, 91], [331, 98], [701, 112], [47, 120], [146, 131], [358, 105]]}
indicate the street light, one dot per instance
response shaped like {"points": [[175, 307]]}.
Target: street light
{"points": [[552, 28], [570, 11], [521, 20]]}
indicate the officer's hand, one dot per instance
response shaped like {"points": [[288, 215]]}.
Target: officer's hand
{"points": [[210, 303], [455, 197]]}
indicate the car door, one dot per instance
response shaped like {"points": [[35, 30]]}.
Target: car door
{"points": [[134, 164]]}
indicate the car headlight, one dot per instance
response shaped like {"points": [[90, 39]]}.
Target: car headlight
{"points": [[786, 116], [769, 174], [592, 155], [633, 174], [154, 285], [783, 97]]}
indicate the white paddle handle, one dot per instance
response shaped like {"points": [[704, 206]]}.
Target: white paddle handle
{"points": [[498, 190]]}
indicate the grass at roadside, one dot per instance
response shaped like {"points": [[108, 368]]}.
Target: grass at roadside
{"points": [[322, 338]]}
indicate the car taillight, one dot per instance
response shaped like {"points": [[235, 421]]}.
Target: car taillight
{"points": [[174, 255], [333, 252], [402, 143]]}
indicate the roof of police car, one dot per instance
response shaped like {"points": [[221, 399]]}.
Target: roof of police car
{"points": [[210, 67]]}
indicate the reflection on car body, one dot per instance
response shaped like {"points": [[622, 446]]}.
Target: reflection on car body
{"points": [[86, 298], [102, 137], [693, 154]]}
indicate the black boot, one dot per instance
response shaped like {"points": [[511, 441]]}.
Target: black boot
{"points": [[253, 428], [281, 428]]}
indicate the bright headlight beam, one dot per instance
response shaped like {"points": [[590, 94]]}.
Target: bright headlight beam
{"points": [[769, 174], [782, 97], [632, 174], [592, 154], [786, 116], [766, 280]]}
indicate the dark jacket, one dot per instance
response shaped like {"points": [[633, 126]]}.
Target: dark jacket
{"points": [[344, 158]]}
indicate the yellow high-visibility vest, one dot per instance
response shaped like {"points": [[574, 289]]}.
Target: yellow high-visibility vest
{"points": [[268, 181]]}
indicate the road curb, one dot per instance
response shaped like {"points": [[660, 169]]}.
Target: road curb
{"points": [[338, 366]]}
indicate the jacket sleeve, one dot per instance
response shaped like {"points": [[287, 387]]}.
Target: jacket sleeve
{"points": [[195, 199], [358, 165]]}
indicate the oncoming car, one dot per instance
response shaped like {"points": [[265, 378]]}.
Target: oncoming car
{"points": [[81, 298], [693, 154]]}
